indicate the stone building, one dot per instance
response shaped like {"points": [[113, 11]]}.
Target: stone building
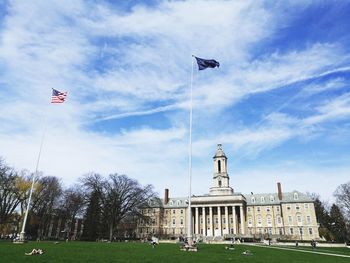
{"points": [[224, 213]]}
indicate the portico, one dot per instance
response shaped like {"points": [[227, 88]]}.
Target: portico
{"points": [[218, 215]]}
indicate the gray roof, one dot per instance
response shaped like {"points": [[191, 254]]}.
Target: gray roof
{"points": [[272, 198], [269, 199]]}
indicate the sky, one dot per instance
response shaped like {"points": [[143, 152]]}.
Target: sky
{"points": [[279, 103]]}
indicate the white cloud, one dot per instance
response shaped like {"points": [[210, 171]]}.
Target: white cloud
{"points": [[119, 65]]}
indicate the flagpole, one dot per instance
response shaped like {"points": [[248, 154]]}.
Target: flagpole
{"points": [[189, 230], [22, 234]]}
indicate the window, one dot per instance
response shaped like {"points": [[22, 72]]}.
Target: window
{"points": [[262, 199], [310, 231], [171, 203], [299, 219], [201, 220], [173, 221], [248, 209], [208, 220], [269, 221], [297, 207], [258, 209], [288, 207], [216, 220], [219, 166], [279, 220], [181, 221], [306, 206], [182, 211], [259, 220], [231, 220], [166, 212], [272, 198], [290, 219], [219, 183], [250, 221], [280, 231], [224, 220], [253, 199], [268, 209], [291, 231], [296, 197], [308, 219], [277, 208], [301, 231], [178, 203]]}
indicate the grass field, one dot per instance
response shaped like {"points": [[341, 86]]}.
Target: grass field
{"points": [[140, 252]]}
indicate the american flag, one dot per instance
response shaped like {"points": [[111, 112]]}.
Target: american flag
{"points": [[58, 96]]}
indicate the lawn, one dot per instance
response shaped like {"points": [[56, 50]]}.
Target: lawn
{"points": [[139, 252]]}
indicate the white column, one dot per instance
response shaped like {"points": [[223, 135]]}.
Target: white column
{"points": [[211, 220], [197, 222], [226, 219], [219, 219], [204, 222], [234, 220], [242, 219]]}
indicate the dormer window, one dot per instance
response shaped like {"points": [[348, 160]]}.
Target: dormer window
{"points": [[253, 199], [171, 203], [262, 199], [296, 197], [272, 198]]}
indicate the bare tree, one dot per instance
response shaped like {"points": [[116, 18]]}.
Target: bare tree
{"points": [[9, 194], [121, 198], [72, 205], [45, 202], [342, 193]]}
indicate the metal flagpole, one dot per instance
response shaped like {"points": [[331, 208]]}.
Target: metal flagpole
{"points": [[189, 229], [21, 236]]}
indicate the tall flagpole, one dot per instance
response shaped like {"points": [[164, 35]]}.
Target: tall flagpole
{"points": [[189, 229], [22, 234]]}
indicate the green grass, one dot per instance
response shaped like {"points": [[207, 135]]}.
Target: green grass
{"points": [[139, 252]]}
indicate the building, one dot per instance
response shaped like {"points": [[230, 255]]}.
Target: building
{"points": [[224, 213]]}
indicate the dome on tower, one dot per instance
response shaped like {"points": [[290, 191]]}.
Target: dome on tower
{"points": [[219, 152]]}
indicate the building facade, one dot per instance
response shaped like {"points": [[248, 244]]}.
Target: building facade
{"points": [[224, 213]]}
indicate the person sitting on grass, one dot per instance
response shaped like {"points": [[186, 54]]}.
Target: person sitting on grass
{"points": [[247, 253], [35, 252]]}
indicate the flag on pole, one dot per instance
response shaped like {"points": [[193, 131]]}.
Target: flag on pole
{"points": [[58, 96], [206, 63]]}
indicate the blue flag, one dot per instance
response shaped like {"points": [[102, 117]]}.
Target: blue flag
{"points": [[206, 63]]}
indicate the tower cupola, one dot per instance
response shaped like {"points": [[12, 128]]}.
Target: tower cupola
{"points": [[221, 180]]}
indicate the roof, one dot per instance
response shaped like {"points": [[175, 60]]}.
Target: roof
{"points": [[272, 198]]}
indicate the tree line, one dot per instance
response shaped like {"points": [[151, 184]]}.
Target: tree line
{"points": [[109, 205], [334, 219]]}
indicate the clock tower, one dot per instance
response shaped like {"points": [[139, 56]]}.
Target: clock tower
{"points": [[221, 180]]}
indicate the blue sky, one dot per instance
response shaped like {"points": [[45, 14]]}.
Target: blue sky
{"points": [[279, 103]]}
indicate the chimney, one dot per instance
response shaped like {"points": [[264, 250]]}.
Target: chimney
{"points": [[166, 196], [279, 191]]}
